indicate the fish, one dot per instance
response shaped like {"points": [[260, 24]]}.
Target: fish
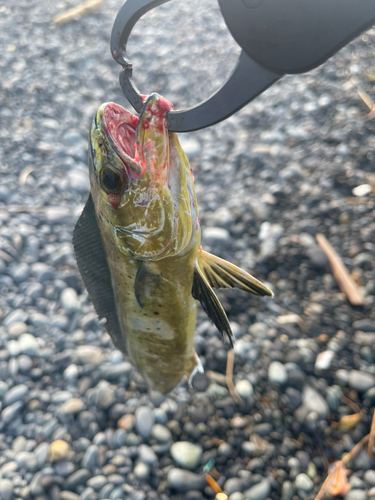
{"points": [[138, 244]]}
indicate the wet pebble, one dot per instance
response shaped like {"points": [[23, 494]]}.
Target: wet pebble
{"points": [[186, 455]]}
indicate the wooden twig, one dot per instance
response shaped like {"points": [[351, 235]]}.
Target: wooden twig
{"points": [[217, 377], [372, 437], [351, 404], [339, 271], [77, 12], [211, 481], [229, 377]]}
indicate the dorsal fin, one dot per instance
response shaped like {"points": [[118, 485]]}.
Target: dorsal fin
{"points": [[92, 264], [203, 292], [222, 274]]}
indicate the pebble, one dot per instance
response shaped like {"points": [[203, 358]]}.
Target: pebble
{"points": [[41, 453], [14, 394], [161, 433], [89, 354], [216, 235], [355, 495], [147, 454], [244, 389], [141, 471], [71, 407], [90, 456], [26, 460], [28, 344], [69, 300], [58, 450], [232, 485], [360, 381], [6, 489], [304, 483], [187, 455], [369, 477], [183, 480], [259, 491], [362, 190], [324, 360], [14, 348], [277, 373], [313, 401], [144, 420]]}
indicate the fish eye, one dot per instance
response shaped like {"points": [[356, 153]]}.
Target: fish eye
{"points": [[111, 181]]}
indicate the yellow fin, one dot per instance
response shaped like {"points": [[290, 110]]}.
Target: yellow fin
{"points": [[222, 274]]}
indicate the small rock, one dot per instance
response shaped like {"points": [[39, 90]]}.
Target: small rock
{"points": [[105, 397], [69, 300], [97, 482], [144, 420], [287, 491], [361, 381], [304, 483], [126, 422], [277, 373], [244, 389], [77, 478], [314, 401], [215, 235], [147, 454], [355, 495], [186, 454], [28, 344], [362, 190], [89, 354], [183, 480], [369, 477], [89, 458], [259, 491], [13, 347], [41, 452], [232, 485], [259, 330], [58, 450], [71, 407], [324, 360], [14, 394], [161, 433], [27, 460], [141, 471], [6, 489]]}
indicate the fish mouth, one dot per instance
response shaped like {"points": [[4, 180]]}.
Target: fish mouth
{"points": [[120, 126]]}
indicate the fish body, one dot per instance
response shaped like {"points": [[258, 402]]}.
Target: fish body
{"points": [[146, 268]]}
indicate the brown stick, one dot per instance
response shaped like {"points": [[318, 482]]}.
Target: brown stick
{"points": [[370, 445], [339, 271], [77, 12], [229, 377]]}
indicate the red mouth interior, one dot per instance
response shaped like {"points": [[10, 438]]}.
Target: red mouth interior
{"points": [[121, 126]]}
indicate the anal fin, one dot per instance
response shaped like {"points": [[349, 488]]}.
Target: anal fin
{"points": [[223, 274], [203, 292]]}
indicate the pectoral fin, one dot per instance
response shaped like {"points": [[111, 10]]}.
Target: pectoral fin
{"points": [[92, 264], [203, 292], [222, 274]]}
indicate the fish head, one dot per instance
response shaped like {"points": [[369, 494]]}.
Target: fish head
{"points": [[141, 181]]}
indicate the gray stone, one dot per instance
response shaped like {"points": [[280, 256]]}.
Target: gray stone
{"points": [[106, 397], [314, 401], [14, 394], [77, 478], [287, 491], [190, 145], [232, 485], [21, 272], [10, 412], [89, 354], [6, 489], [41, 453], [259, 330], [43, 272], [244, 389], [64, 468], [27, 460], [71, 407], [71, 373], [69, 300], [355, 495], [259, 491], [16, 316], [141, 471], [3, 388], [187, 455], [89, 458], [8, 468], [361, 381], [237, 496], [79, 181], [36, 487], [19, 444], [28, 344], [144, 420], [13, 347], [216, 235], [161, 433], [97, 482], [183, 480], [16, 328], [304, 483], [369, 477], [147, 454], [324, 360], [38, 319], [277, 373]]}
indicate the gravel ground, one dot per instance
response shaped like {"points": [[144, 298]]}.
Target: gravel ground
{"points": [[77, 421]]}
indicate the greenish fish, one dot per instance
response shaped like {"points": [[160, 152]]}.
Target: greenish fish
{"points": [[138, 244]]}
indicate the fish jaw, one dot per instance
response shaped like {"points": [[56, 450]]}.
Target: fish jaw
{"points": [[156, 215]]}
